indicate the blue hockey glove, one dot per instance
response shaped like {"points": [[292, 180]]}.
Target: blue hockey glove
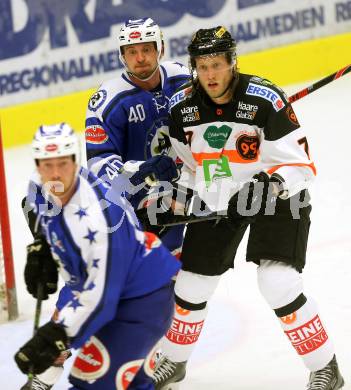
{"points": [[161, 168]]}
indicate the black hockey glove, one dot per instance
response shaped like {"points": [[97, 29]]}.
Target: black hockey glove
{"points": [[161, 168], [40, 268], [254, 196], [161, 218], [40, 352]]}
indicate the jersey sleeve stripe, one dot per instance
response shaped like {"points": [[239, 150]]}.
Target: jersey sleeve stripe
{"points": [[116, 100], [233, 156], [276, 167]]}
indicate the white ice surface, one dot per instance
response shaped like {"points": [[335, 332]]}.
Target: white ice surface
{"points": [[242, 346]]}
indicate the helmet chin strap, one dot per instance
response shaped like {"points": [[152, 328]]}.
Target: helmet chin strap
{"points": [[230, 85], [227, 89]]}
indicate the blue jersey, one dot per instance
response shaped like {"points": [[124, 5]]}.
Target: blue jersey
{"points": [[125, 122], [103, 256]]}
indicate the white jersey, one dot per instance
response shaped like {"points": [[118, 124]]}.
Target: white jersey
{"points": [[223, 146]]}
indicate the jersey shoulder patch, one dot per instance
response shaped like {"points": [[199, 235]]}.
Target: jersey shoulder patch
{"points": [[265, 89], [97, 100], [107, 91], [181, 95], [270, 84]]}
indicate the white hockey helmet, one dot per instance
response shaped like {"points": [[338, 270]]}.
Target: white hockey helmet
{"points": [[139, 31], [55, 141]]}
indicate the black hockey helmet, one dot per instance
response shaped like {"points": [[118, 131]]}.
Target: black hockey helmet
{"points": [[211, 41]]}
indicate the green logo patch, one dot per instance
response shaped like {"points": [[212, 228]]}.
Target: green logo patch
{"points": [[216, 169], [217, 136]]}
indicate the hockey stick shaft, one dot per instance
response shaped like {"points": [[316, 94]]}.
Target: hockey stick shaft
{"points": [[38, 308], [318, 84], [37, 315], [192, 218]]}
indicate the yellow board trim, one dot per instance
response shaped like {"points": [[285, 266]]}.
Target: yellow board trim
{"points": [[286, 65], [300, 62]]}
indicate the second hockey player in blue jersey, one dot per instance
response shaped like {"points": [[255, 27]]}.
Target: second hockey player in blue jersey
{"points": [[120, 276]]}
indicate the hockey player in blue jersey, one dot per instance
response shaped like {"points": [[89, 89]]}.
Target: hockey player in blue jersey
{"points": [[127, 118], [127, 123], [122, 299]]}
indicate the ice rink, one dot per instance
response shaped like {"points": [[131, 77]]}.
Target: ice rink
{"points": [[242, 346]]}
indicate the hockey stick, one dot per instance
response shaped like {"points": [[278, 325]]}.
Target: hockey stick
{"points": [[318, 84], [33, 223], [193, 218], [37, 315]]}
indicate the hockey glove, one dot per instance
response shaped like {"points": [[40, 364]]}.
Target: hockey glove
{"points": [[40, 268], [40, 352], [158, 229], [161, 168], [252, 199]]}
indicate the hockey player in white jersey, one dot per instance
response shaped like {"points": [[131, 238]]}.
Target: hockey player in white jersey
{"points": [[120, 277], [230, 128]]}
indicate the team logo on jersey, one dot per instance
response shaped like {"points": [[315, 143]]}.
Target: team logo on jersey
{"points": [[247, 147], [267, 94], [190, 114], [126, 374], [292, 116], [97, 100], [216, 169], [95, 134], [217, 137], [158, 140], [246, 111], [92, 361]]}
